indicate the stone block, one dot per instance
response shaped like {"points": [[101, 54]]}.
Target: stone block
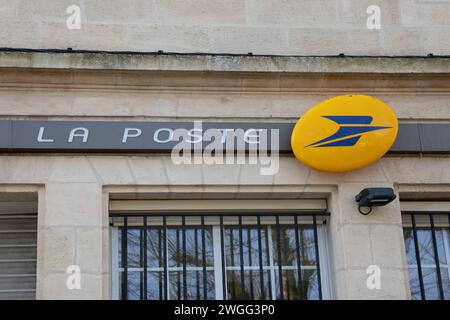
{"points": [[73, 204]]}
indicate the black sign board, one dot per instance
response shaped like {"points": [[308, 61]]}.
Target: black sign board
{"points": [[158, 137]]}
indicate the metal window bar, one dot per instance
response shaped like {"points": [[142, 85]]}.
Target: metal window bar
{"points": [[436, 258], [418, 260], [271, 273], [205, 288], [431, 222], [249, 248], [260, 260], [178, 262], [165, 263], [299, 266], [125, 259], [222, 247], [279, 262], [160, 282], [183, 224], [144, 231], [234, 262], [241, 256], [141, 263], [316, 244], [197, 282]]}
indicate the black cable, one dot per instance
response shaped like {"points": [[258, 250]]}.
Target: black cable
{"points": [[249, 54]]}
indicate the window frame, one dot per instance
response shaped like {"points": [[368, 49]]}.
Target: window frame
{"points": [[429, 210], [322, 247]]}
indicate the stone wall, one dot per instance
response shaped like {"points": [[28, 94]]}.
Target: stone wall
{"points": [[74, 190], [290, 27]]}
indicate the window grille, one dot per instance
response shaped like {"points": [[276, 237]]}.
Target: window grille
{"points": [[427, 244], [218, 256]]}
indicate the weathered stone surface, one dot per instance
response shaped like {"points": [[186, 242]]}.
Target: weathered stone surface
{"points": [[193, 62], [74, 190], [229, 27]]}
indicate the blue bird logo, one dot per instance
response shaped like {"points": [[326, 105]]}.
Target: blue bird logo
{"points": [[350, 131]]}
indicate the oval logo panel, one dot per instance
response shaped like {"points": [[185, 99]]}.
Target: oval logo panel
{"points": [[344, 133]]}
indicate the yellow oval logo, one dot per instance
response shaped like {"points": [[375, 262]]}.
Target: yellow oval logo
{"points": [[344, 133]]}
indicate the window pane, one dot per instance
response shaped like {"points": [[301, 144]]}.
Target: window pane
{"points": [[134, 285], [288, 246], [245, 245], [440, 238], [174, 247], [251, 288], [134, 248], [258, 288], [311, 284], [210, 285], [194, 259], [155, 285], [414, 283], [290, 285], [430, 283], [194, 280], [446, 282], [155, 254], [427, 257], [270, 256], [233, 285], [289, 258], [409, 244], [425, 246], [175, 285]]}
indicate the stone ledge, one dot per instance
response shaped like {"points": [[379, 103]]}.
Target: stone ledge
{"points": [[221, 63]]}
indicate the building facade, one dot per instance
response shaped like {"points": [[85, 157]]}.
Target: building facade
{"points": [[81, 221]]}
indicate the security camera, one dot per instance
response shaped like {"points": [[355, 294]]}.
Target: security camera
{"points": [[374, 197]]}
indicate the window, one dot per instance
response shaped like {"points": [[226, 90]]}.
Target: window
{"points": [[229, 256], [427, 244], [18, 242]]}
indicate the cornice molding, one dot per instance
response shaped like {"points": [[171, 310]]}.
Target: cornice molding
{"points": [[221, 82], [41, 59]]}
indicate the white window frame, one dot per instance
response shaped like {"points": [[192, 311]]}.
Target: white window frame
{"points": [[438, 208]]}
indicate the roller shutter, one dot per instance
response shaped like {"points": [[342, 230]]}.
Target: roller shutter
{"points": [[18, 250]]}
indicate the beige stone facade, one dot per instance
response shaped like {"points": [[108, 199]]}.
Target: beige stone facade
{"points": [[294, 27], [74, 190]]}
